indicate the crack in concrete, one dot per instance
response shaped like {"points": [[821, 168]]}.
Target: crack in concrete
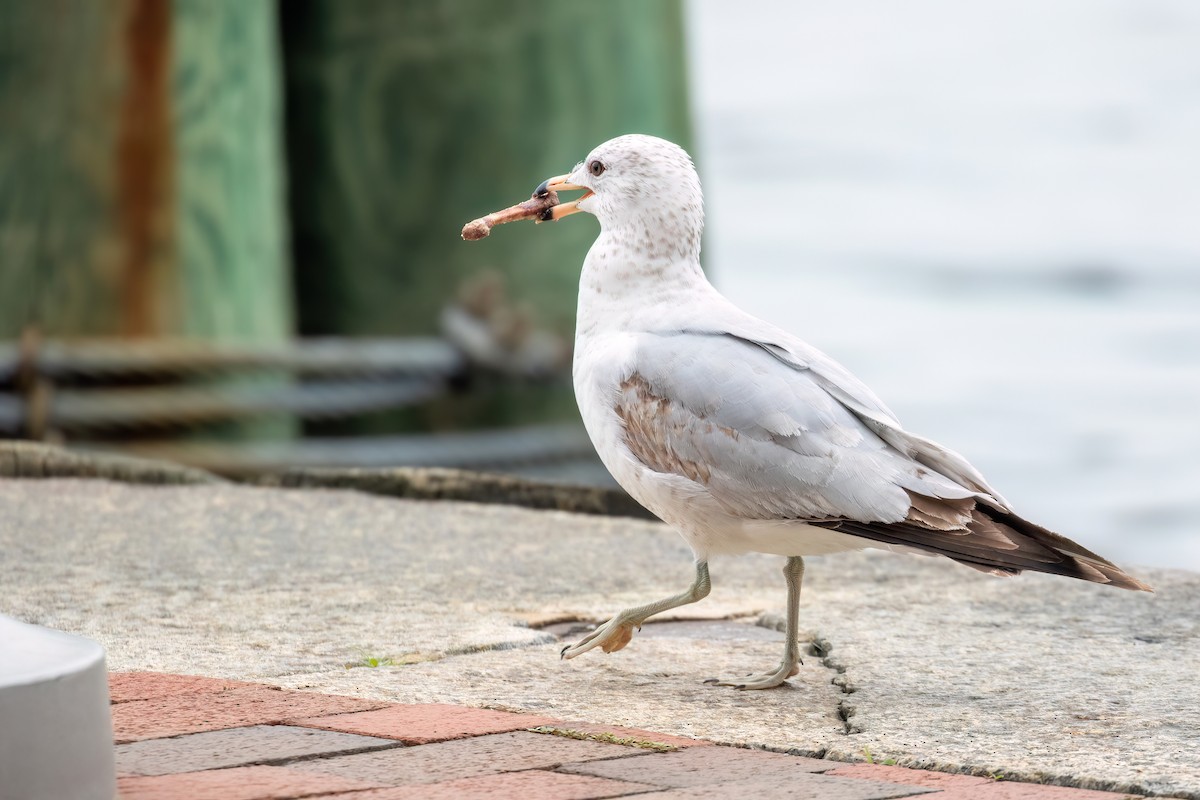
{"points": [[821, 648], [423, 657], [466, 650]]}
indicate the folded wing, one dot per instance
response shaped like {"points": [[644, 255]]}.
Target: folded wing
{"points": [[776, 433]]}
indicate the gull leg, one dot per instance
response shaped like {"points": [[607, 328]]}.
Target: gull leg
{"points": [[793, 572], [616, 633]]}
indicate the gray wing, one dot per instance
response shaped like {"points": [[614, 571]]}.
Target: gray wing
{"points": [[766, 438], [858, 398], [771, 437]]}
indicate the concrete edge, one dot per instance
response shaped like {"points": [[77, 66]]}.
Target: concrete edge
{"points": [[20, 459], [435, 483]]}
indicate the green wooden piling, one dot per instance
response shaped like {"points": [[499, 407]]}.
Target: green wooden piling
{"points": [[407, 118], [60, 88]]}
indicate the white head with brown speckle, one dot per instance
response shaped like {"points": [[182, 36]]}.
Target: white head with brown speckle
{"points": [[638, 184]]}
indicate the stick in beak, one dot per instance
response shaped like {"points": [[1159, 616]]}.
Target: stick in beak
{"points": [[542, 206], [537, 207]]}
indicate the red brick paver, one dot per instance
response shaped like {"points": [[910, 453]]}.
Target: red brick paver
{"points": [[242, 783], [700, 766], [189, 738], [126, 686], [469, 758], [231, 708], [806, 786], [534, 783], [422, 724], [235, 747]]}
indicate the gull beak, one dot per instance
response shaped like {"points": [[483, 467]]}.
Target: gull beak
{"points": [[562, 184]]}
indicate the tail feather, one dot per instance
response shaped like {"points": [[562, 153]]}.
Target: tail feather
{"points": [[997, 542]]}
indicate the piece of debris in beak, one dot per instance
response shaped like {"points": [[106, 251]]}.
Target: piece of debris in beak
{"points": [[542, 206]]}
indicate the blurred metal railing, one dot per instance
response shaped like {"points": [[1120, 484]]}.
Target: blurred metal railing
{"points": [[106, 357], [111, 394], [353, 377]]}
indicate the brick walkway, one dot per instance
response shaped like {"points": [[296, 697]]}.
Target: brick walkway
{"points": [[188, 738]]}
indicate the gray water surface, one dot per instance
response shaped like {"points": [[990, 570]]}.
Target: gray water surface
{"points": [[990, 212]]}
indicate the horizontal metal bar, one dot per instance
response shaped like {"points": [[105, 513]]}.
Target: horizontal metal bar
{"points": [[111, 357], [72, 410]]}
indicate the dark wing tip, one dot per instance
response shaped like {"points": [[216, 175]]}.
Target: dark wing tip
{"points": [[996, 542]]}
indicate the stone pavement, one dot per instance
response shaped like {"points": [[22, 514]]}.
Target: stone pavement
{"points": [[913, 660], [181, 737]]}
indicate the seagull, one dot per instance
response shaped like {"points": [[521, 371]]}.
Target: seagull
{"points": [[741, 436]]}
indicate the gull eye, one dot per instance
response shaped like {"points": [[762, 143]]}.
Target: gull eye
{"points": [[596, 168]]}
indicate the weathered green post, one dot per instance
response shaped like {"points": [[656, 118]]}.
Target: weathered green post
{"points": [[141, 170], [408, 118]]}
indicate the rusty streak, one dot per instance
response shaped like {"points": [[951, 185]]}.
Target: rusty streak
{"points": [[144, 164]]}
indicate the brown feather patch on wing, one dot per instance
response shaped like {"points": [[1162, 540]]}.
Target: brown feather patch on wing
{"points": [[648, 425]]}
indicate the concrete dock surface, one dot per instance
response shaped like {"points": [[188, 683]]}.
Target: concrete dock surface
{"points": [[914, 662]]}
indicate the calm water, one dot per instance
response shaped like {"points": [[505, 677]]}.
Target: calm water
{"points": [[989, 211]]}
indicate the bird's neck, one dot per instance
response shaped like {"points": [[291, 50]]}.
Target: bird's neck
{"points": [[629, 273]]}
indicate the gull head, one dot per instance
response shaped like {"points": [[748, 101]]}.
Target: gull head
{"points": [[636, 183]]}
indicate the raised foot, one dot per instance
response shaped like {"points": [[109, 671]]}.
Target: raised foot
{"points": [[767, 680], [609, 637]]}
